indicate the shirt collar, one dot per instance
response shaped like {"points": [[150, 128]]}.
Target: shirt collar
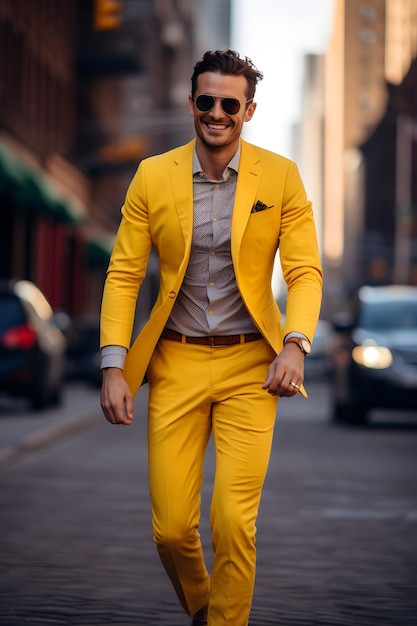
{"points": [[233, 163]]}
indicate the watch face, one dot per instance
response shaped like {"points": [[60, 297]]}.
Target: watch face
{"points": [[305, 346]]}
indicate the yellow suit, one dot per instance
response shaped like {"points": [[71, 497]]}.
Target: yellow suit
{"points": [[158, 212], [196, 391]]}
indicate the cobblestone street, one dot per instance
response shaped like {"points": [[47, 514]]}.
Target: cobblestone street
{"points": [[337, 540]]}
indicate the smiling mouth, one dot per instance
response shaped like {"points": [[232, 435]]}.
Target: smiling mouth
{"points": [[217, 126]]}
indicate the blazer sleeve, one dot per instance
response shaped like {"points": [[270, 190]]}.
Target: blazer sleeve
{"points": [[127, 267], [300, 258]]}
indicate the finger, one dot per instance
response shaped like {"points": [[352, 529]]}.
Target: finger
{"points": [[269, 377], [110, 414], [294, 387], [129, 407], [273, 381], [290, 389], [113, 411], [121, 415], [272, 386]]}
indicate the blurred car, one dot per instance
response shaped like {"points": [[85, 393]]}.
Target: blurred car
{"points": [[318, 363], [32, 348], [375, 359], [83, 353]]}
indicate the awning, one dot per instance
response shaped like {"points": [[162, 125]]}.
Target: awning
{"points": [[99, 251], [12, 173], [32, 191]]}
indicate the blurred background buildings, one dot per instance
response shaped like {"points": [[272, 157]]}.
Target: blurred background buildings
{"points": [[90, 87], [358, 143]]}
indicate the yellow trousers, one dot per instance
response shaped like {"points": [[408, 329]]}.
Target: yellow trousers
{"points": [[194, 391]]}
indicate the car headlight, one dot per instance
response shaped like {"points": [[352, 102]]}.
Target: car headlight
{"points": [[372, 356]]}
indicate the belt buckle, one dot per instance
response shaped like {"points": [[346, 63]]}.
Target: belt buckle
{"points": [[217, 342]]}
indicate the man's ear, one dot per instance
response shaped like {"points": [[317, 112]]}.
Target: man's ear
{"points": [[250, 110]]}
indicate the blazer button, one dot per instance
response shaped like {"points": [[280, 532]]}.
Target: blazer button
{"points": [[172, 294]]}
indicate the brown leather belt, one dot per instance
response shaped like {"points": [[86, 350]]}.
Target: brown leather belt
{"points": [[211, 340]]}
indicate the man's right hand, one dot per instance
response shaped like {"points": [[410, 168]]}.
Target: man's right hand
{"points": [[116, 399]]}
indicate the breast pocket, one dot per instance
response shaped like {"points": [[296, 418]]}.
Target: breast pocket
{"points": [[263, 217], [262, 232]]}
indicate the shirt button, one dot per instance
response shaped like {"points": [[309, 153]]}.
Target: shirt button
{"points": [[210, 312], [172, 294], [214, 219], [212, 253], [211, 284]]}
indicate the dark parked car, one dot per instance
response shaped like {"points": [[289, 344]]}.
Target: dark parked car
{"points": [[83, 353], [318, 364], [32, 348], [375, 360]]}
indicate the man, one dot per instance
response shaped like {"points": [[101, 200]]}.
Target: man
{"points": [[214, 353]]}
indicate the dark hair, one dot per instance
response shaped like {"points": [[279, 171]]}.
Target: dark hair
{"points": [[227, 62]]}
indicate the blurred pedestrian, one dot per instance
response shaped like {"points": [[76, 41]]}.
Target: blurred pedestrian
{"points": [[214, 352]]}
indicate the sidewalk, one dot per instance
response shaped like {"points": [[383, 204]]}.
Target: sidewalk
{"points": [[22, 430]]}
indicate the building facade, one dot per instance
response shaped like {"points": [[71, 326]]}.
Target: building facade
{"points": [[370, 144], [87, 89]]}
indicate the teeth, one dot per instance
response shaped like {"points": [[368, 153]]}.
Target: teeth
{"points": [[217, 126]]}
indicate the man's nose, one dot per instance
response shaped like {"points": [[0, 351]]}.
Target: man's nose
{"points": [[217, 110]]}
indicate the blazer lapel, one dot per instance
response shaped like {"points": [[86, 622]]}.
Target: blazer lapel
{"points": [[247, 186], [182, 186]]}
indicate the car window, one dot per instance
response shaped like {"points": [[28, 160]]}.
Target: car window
{"points": [[389, 315], [31, 295], [11, 312]]}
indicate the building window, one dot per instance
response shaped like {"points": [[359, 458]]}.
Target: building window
{"points": [[366, 81], [367, 36], [365, 103], [366, 60], [367, 12]]}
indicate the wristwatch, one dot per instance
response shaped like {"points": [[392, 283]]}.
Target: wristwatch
{"points": [[302, 342]]}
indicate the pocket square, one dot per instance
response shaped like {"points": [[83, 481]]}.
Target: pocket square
{"points": [[260, 206]]}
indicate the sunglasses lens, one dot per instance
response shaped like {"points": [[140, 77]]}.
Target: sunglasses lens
{"points": [[204, 103], [230, 106]]}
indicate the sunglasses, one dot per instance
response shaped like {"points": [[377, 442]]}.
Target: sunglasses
{"points": [[231, 106]]}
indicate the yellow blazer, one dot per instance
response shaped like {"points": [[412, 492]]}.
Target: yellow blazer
{"points": [[158, 212]]}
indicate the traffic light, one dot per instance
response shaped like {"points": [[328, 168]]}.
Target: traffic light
{"points": [[125, 150], [107, 14]]}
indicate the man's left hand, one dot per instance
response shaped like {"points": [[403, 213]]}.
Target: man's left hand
{"points": [[286, 372]]}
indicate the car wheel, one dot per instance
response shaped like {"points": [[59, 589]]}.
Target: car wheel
{"points": [[56, 396], [40, 398], [350, 414]]}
